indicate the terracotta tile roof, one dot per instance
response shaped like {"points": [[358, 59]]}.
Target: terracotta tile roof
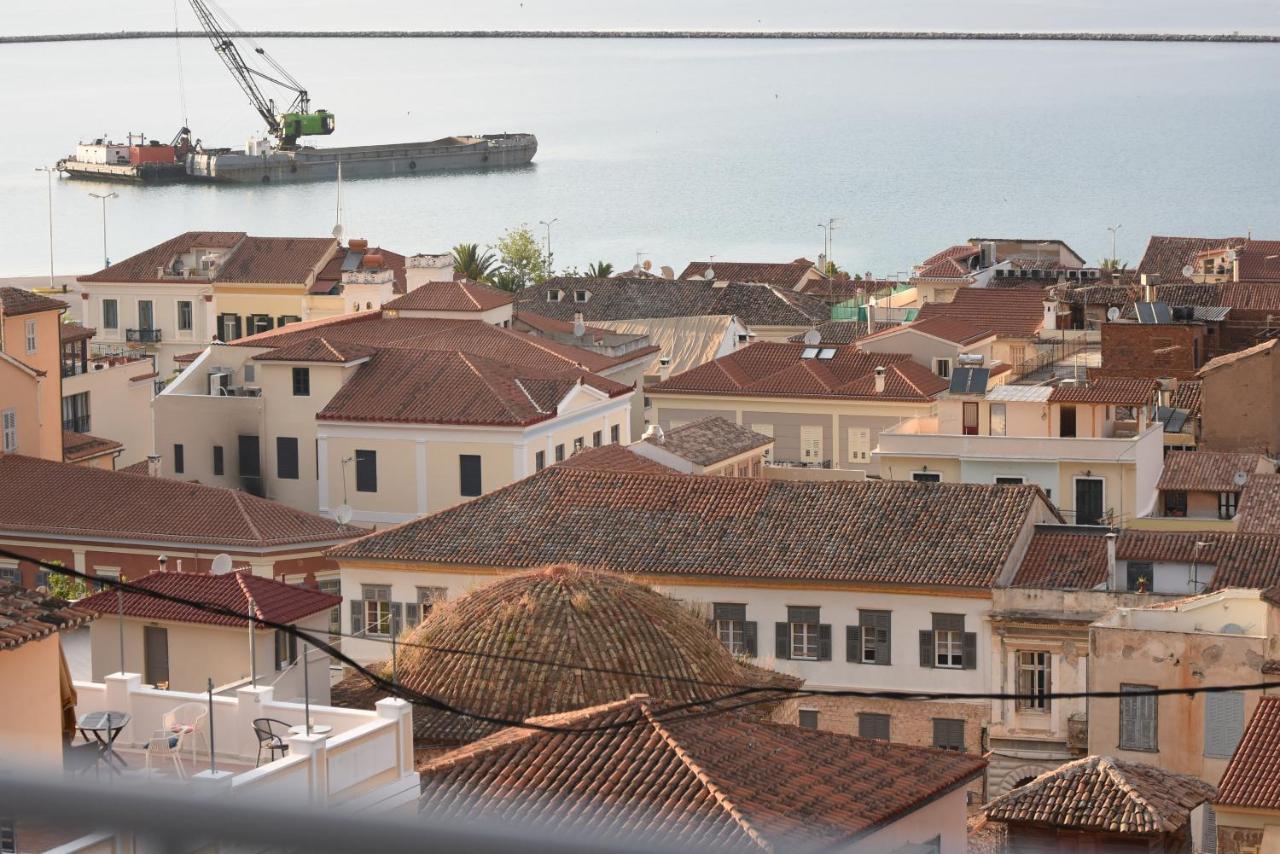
{"points": [[143, 266], [330, 276], [1008, 313], [1265, 348], [1187, 396], [629, 298], [1247, 560], [657, 778], [614, 458], [783, 275], [842, 331], [948, 329], [1252, 778], [1168, 255], [141, 467], [1259, 261], [954, 262], [1121, 391], [840, 289], [71, 331], [1250, 296], [458, 295], [16, 301], [710, 440], [317, 349], [28, 615], [1259, 510], [77, 447], [887, 531], [52, 498], [1105, 795], [773, 369], [636, 640], [1206, 471], [1172, 546], [473, 337], [1064, 557], [272, 600], [432, 387]]}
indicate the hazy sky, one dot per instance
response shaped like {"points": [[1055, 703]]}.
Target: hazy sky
{"points": [[1246, 16]]}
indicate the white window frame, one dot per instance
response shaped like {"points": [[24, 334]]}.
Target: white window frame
{"points": [[803, 638], [9, 423], [731, 635], [377, 613], [177, 316], [1034, 687], [116, 304], [32, 340], [944, 363], [948, 645]]}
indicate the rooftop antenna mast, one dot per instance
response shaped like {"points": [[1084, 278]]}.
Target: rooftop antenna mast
{"points": [[337, 217]]}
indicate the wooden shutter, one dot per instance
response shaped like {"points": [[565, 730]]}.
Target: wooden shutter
{"points": [[783, 640], [357, 616], [926, 648], [412, 613], [239, 327], [1223, 723], [749, 637], [824, 642], [853, 643], [156, 649], [970, 650]]}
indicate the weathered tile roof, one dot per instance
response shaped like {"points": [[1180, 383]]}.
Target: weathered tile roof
{"points": [[1105, 795], [842, 331], [783, 275], [650, 776], [1187, 396], [1008, 313], [615, 458], [330, 276], [629, 298], [1247, 560], [1064, 557], [710, 440], [1250, 296], [1252, 778], [458, 295], [501, 651], [28, 615], [272, 600], [81, 446], [143, 266], [45, 497], [773, 369], [1172, 546], [1259, 510], [15, 301], [1168, 255], [71, 331], [268, 260], [949, 329], [1259, 261], [317, 349], [1265, 348], [433, 387], [895, 532], [1121, 391], [954, 262], [1206, 471], [843, 288]]}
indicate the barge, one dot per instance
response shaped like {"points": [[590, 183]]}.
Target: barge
{"points": [[137, 160]]}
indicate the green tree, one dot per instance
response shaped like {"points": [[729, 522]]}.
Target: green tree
{"points": [[600, 270], [1113, 265], [523, 260], [469, 261]]}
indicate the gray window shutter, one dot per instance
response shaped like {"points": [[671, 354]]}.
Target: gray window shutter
{"points": [[1128, 722], [1210, 834], [357, 616], [926, 648], [824, 642], [853, 643], [970, 650], [783, 637], [412, 613], [1223, 723], [397, 618], [749, 637]]}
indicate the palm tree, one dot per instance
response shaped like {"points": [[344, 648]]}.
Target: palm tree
{"points": [[470, 262], [600, 270]]}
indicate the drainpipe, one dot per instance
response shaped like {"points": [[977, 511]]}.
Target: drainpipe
{"points": [[1111, 560]]}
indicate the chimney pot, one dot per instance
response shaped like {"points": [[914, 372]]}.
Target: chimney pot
{"points": [[880, 372], [579, 325], [153, 465]]}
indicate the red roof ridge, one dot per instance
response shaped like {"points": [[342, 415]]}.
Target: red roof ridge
{"points": [[466, 360], [721, 797], [238, 496]]}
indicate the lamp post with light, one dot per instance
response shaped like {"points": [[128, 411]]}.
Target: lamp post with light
{"points": [[106, 262], [48, 171]]}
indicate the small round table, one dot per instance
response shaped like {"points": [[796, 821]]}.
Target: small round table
{"points": [[316, 729], [105, 728]]}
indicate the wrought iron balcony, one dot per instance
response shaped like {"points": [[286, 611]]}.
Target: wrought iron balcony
{"points": [[142, 336]]}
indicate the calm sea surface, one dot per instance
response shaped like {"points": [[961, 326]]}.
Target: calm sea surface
{"points": [[681, 149]]}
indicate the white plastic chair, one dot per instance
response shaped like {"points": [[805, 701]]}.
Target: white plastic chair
{"points": [[166, 745], [189, 719]]}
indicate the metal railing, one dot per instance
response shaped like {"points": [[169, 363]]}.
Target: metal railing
{"points": [[79, 424], [142, 336]]}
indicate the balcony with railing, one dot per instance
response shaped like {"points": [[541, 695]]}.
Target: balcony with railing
{"points": [[922, 437], [142, 336]]}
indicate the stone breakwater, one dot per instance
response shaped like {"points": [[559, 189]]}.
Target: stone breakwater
{"points": [[830, 35]]}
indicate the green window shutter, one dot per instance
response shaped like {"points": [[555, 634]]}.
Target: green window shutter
{"points": [[926, 648], [970, 650], [824, 642], [853, 643], [782, 637], [749, 637], [357, 616]]}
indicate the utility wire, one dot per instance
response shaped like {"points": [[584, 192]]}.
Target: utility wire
{"points": [[739, 690]]}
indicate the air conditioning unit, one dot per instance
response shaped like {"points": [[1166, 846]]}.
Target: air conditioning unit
{"points": [[219, 382]]}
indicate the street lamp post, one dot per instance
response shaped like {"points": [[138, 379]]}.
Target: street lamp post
{"points": [[49, 170], [1113, 229], [106, 262], [547, 225]]}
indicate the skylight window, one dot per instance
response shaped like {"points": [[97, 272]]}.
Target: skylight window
{"points": [[809, 353], [826, 352]]}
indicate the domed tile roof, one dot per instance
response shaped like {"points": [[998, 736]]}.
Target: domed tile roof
{"points": [[553, 640]]}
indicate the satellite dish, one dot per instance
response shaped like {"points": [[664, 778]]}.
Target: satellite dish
{"points": [[1231, 629], [221, 564], [1113, 314], [813, 338], [1240, 478], [1188, 271], [1231, 255], [342, 513]]}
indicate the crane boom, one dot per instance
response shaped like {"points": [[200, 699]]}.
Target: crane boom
{"points": [[298, 120]]}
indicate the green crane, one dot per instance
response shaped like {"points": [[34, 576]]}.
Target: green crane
{"points": [[286, 127]]}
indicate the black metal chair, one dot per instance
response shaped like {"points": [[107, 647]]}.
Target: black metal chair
{"points": [[271, 737], [80, 758]]}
